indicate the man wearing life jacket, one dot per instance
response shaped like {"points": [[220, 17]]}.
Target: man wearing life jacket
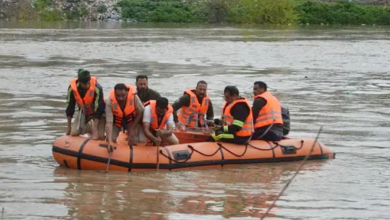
{"points": [[158, 121], [143, 90], [123, 112], [87, 94], [267, 114], [195, 104], [236, 117]]}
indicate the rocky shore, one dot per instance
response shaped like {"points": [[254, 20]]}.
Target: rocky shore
{"points": [[85, 10]]}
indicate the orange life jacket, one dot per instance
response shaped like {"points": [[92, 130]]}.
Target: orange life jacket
{"points": [[127, 115], [194, 114], [247, 128], [86, 104], [154, 117], [272, 110]]}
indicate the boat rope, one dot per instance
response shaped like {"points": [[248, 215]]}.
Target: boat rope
{"points": [[176, 161], [226, 149], [295, 174], [296, 148], [201, 153], [221, 146]]}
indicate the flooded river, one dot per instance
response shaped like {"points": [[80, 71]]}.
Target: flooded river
{"points": [[336, 77]]}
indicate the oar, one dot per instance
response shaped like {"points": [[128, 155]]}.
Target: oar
{"points": [[296, 173], [158, 158], [158, 152], [109, 157]]}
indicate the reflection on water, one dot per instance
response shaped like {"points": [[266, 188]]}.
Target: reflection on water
{"points": [[230, 193], [337, 77]]}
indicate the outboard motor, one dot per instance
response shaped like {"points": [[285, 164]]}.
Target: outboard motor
{"points": [[286, 120]]}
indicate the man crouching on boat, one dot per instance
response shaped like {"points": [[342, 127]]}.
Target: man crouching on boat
{"points": [[85, 92], [237, 119], [158, 121], [123, 112]]}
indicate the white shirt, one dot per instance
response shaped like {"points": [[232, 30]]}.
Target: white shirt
{"points": [[148, 116]]}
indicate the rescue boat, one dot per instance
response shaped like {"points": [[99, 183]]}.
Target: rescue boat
{"points": [[83, 153]]}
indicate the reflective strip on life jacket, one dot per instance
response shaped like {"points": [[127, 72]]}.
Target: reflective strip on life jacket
{"points": [[220, 136], [247, 126]]}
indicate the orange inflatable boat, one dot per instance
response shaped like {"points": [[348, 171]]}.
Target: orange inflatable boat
{"points": [[86, 154]]}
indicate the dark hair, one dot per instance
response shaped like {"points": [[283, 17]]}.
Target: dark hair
{"points": [[261, 84], [141, 77], [162, 102], [232, 90], [201, 82], [120, 87]]}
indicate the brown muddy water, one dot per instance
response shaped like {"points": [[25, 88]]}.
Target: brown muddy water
{"points": [[336, 77]]}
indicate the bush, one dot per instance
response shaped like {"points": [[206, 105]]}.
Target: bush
{"points": [[264, 12], [42, 4], [171, 11], [212, 11], [50, 15], [102, 9], [346, 13], [158, 11], [217, 10], [75, 13], [46, 11], [253, 11], [137, 9]]}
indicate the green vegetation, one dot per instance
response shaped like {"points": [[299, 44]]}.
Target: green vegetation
{"points": [[75, 13], [254, 11], [214, 11], [102, 9], [47, 11], [264, 11], [346, 13], [158, 11]]}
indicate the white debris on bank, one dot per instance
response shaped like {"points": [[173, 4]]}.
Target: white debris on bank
{"points": [[93, 10]]}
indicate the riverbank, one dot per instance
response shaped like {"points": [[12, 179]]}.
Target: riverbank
{"points": [[336, 77], [325, 12]]}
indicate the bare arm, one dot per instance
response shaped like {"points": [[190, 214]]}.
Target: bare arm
{"points": [[169, 130], [146, 127], [148, 134], [182, 101], [109, 120], [140, 110]]}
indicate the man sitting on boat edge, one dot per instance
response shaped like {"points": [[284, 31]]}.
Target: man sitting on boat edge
{"points": [[85, 92], [267, 114]]}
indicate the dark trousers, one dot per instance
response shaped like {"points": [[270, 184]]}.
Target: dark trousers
{"points": [[271, 135]]}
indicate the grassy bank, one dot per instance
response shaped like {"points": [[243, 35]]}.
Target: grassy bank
{"points": [[254, 11]]}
